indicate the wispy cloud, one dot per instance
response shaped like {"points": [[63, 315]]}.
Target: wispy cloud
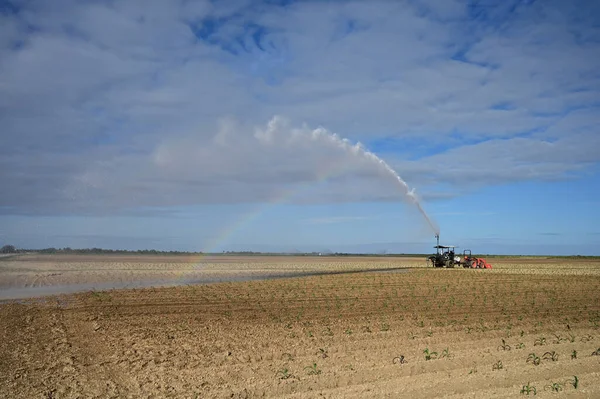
{"points": [[109, 106]]}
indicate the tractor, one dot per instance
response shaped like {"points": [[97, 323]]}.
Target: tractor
{"points": [[445, 256], [469, 261]]}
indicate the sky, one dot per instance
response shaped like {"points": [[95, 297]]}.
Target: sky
{"points": [[278, 125]]}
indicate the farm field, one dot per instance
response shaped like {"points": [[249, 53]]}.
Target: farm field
{"points": [[342, 327], [30, 275]]}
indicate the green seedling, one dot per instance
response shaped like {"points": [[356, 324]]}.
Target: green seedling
{"points": [[532, 358], [429, 355], [596, 352], [504, 346], [574, 382], [520, 345], [540, 341], [284, 374], [550, 356], [527, 389], [557, 339], [554, 387], [497, 366], [574, 354], [312, 370]]}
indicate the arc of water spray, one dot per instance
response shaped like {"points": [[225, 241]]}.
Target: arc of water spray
{"points": [[358, 150]]}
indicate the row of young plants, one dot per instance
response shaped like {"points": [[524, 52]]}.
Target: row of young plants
{"points": [[554, 386]]}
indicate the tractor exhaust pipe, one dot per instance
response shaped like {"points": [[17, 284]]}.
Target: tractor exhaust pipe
{"points": [[437, 237]]}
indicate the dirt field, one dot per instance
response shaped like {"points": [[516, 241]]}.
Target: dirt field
{"points": [[25, 276], [405, 332]]}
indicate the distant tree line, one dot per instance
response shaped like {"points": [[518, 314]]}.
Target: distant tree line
{"points": [[109, 251], [250, 253], [8, 249], [11, 249]]}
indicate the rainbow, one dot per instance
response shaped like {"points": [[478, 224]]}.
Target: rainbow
{"points": [[283, 196]]}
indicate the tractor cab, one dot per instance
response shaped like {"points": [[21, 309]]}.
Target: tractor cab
{"points": [[444, 256], [445, 249]]}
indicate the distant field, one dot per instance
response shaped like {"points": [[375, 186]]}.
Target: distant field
{"points": [[31, 275], [551, 265], [342, 328]]}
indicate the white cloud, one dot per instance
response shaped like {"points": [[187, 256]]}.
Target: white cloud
{"points": [[238, 164], [106, 106]]}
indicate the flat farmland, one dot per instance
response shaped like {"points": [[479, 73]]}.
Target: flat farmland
{"points": [[33, 275], [317, 327]]}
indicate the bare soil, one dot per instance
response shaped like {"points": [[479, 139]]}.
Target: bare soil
{"points": [[351, 334]]}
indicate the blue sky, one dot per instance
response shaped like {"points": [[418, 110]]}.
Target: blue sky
{"points": [[194, 125]]}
